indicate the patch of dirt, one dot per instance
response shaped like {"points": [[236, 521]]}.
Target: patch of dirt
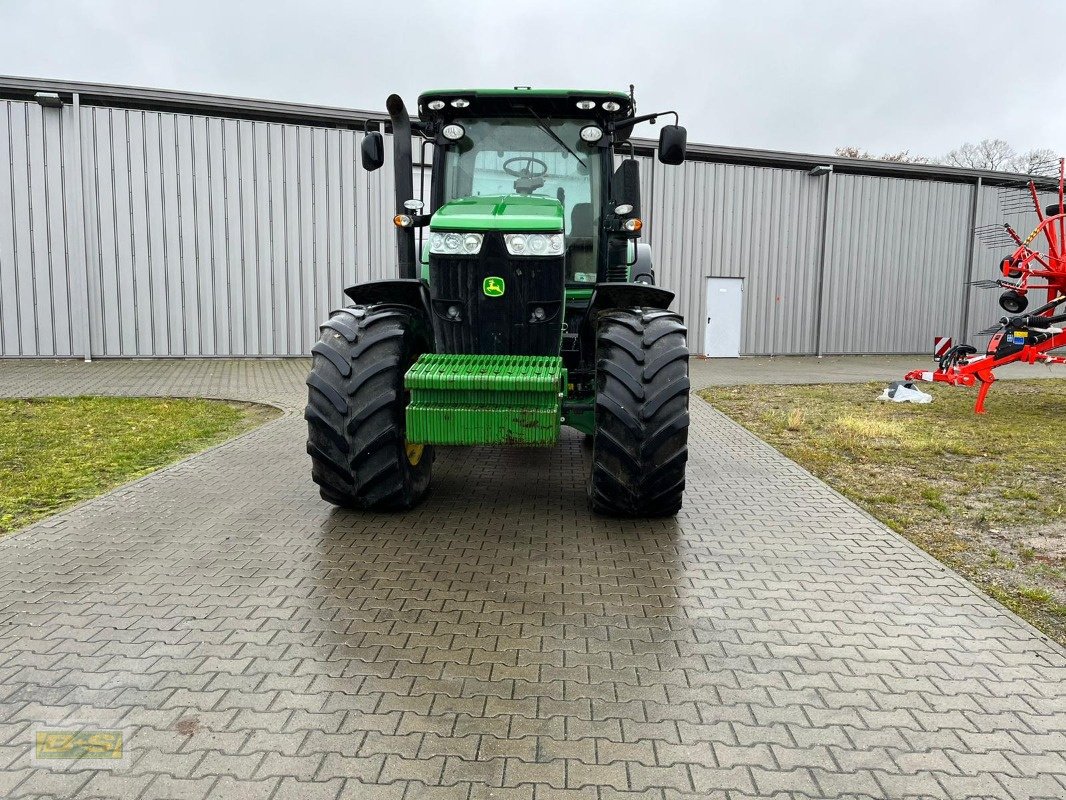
{"points": [[1049, 541], [187, 726]]}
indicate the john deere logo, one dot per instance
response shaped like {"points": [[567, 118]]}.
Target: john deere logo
{"points": [[493, 287]]}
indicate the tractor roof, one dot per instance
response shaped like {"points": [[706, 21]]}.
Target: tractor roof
{"points": [[495, 102]]}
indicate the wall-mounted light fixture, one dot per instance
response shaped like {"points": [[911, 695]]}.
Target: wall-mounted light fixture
{"points": [[823, 169], [49, 99]]}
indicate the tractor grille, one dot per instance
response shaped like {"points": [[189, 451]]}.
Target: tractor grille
{"points": [[503, 325]]}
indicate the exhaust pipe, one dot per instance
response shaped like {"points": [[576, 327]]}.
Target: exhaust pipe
{"points": [[404, 181]]}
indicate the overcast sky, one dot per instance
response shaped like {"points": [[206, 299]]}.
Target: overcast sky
{"points": [[803, 76]]}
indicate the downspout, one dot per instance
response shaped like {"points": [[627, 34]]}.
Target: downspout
{"points": [[967, 288], [818, 321], [82, 239]]}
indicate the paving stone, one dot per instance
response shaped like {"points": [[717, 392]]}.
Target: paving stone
{"points": [[236, 789], [482, 792], [166, 787], [500, 642], [53, 784], [293, 789]]}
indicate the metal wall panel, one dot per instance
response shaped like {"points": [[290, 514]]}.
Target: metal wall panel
{"points": [[895, 263], [217, 236], [758, 223], [35, 271], [995, 206]]}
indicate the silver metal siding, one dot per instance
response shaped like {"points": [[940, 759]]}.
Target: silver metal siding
{"points": [[35, 274], [220, 236], [895, 263], [758, 223]]}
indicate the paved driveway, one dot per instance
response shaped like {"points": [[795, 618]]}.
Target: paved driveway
{"points": [[499, 641]]}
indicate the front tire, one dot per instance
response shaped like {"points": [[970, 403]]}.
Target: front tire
{"points": [[356, 406], [640, 447]]}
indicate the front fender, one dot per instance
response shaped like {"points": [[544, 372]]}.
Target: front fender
{"points": [[397, 291], [628, 295]]}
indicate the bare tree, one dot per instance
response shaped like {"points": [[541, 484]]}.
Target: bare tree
{"points": [[902, 157], [1041, 161], [993, 154], [990, 154], [852, 152], [996, 154]]}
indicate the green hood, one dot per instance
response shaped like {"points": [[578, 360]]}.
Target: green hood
{"points": [[510, 212]]}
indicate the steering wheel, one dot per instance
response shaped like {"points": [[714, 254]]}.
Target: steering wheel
{"points": [[527, 172]]}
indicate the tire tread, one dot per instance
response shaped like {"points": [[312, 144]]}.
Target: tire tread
{"points": [[355, 410], [640, 448]]}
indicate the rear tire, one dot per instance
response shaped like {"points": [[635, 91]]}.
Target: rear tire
{"points": [[640, 447], [355, 410]]}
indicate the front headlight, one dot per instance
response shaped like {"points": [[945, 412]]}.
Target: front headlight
{"points": [[455, 244], [534, 244]]}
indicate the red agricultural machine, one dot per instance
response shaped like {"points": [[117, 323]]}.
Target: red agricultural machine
{"points": [[1038, 264]]}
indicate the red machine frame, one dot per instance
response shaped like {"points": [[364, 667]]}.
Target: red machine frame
{"points": [[1024, 339]]}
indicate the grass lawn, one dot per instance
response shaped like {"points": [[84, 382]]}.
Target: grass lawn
{"points": [[983, 494], [57, 451]]}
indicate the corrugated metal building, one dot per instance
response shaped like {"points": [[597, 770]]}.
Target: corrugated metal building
{"points": [[138, 222]]}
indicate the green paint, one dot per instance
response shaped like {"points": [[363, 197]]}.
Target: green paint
{"points": [[578, 294], [423, 264], [493, 286], [582, 419], [464, 426], [509, 213], [484, 399]]}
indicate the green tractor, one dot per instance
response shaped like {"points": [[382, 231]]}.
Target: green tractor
{"points": [[527, 305]]}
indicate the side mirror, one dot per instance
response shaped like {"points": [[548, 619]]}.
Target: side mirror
{"points": [[672, 142], [372, 151]]}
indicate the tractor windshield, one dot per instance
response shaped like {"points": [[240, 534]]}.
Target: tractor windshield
{"points": [[518, 155]]}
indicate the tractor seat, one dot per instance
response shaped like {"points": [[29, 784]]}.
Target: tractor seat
{"points": [[581, 221]]}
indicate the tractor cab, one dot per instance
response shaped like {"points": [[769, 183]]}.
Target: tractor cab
{"points": [[536, 145], [524, 302]]}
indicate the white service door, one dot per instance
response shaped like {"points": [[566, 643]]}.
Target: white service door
{"points": [[725, 306]]}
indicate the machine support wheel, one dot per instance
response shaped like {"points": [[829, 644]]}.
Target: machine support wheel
{"points": [[355, 413], [641, 442]]}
